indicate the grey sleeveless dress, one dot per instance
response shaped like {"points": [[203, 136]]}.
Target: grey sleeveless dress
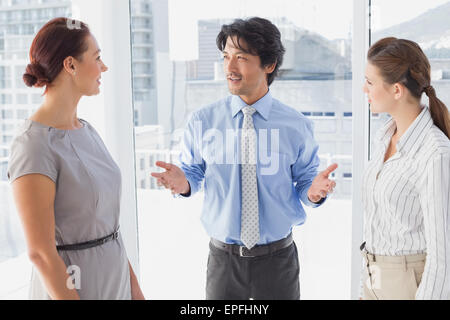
{"points": [[87, 204]]}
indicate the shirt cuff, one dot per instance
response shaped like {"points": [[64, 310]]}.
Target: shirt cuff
{"points": [[309, 203], [184, 195], [316, 204]]}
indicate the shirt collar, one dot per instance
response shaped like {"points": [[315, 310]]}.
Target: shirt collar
{"points": [[386, 132], [262, 106], [412, 138]]}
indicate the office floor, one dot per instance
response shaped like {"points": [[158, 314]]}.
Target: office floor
{"points": [[174, 249]]}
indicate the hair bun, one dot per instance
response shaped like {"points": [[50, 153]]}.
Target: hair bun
{"points": [[29, 79], [35, 76]]}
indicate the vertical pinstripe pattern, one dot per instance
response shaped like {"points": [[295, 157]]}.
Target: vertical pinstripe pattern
{"points": [[406, 201]]}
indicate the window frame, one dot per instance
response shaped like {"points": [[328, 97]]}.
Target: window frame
{"points": [[106, 112], [360, 133]]}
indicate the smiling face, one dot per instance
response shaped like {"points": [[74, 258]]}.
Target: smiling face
{"points": [[88, 69], [381, 95], [245, 76]]}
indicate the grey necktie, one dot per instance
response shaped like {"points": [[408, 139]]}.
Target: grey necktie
{"points": [[250, 212]]}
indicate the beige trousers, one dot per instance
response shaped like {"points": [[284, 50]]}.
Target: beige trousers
{"points": [[392, 277]]}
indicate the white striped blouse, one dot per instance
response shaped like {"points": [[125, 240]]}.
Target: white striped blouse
{"points": [[406, 201]]}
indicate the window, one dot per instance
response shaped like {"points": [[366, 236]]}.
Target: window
{"points": [[36, 98], [151, 162], [22, 114], [5, 77], [7, 139], [22, 98], [6, 114], [318, 114], [422, 22], [18, 72], [5, 98], [187, 76]]}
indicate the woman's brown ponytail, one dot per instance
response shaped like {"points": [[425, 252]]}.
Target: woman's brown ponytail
{"points": [[403, 61], [439, 111]]}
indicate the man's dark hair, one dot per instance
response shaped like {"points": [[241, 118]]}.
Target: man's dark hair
{"points": [[262, 37]]}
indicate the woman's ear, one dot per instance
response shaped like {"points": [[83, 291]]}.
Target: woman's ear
{"points": [[399, 91], [68, 65]]}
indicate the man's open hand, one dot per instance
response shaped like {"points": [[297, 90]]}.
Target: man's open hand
{"points": [[173, 178], [321, 185]]}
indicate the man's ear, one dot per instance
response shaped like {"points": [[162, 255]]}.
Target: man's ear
{"points": [[270, 68]]}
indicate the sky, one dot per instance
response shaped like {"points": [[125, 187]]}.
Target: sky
{"points": [[330, 18], [387, 13]]}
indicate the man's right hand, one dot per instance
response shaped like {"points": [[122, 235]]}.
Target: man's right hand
{"points": [[173, 179]]}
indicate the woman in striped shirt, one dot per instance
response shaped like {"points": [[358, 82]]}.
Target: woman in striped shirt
{"points": [[407, 182]]}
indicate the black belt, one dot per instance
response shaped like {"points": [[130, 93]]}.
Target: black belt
{"points": [[89, 244], [256, 251]]}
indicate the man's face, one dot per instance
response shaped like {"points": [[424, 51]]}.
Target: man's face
{"points": [[243, 71]]}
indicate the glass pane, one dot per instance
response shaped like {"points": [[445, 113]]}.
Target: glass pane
{"points": [[177, 69], [19, 21], [427, 24]]}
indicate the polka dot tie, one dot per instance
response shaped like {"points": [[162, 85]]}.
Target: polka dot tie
{"points": [[250, 212]]}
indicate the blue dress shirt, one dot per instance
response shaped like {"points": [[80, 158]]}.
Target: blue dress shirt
{"points": [[286, 165]]}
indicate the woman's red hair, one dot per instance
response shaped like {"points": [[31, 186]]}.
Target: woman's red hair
{"points": [[56, 40]]}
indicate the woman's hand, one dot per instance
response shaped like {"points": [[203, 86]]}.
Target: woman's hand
{"points": [[136, 294]]}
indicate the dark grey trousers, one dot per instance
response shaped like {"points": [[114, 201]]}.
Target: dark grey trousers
{"points": [[273, 276]]}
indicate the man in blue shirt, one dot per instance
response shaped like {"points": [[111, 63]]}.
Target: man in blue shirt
{"points": [[257, 159]]}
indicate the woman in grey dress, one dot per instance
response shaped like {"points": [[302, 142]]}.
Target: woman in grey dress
{"points": [[65, 183]]}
